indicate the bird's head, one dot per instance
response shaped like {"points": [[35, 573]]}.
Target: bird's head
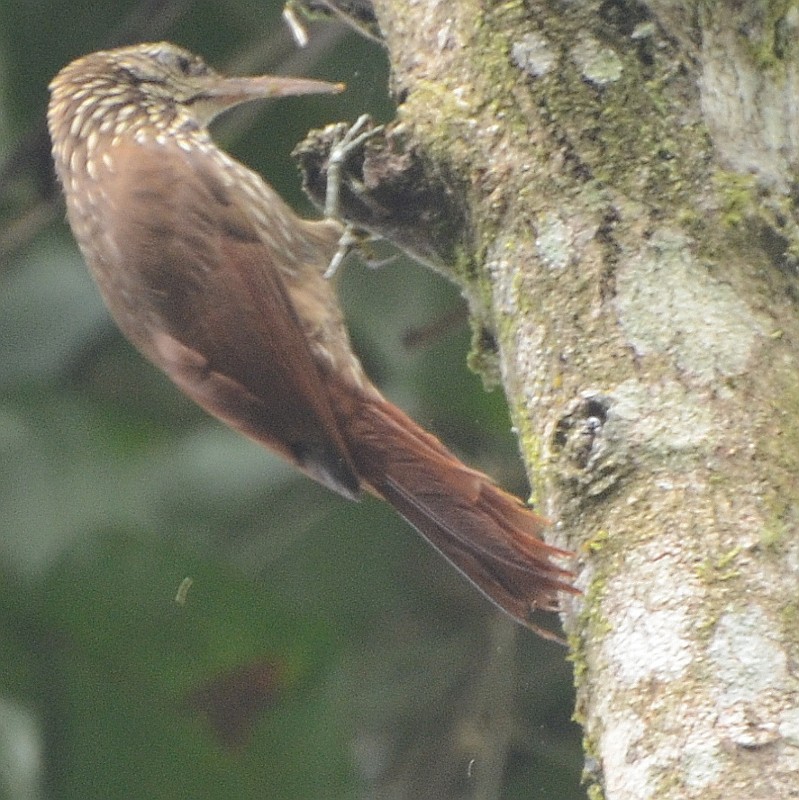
{"points": [[160, 85]]}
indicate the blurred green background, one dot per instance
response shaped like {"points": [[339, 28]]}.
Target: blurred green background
{"points": [[321, 650]]}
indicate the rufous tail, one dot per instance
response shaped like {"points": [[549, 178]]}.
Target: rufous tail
{"points": [[488, 534]]}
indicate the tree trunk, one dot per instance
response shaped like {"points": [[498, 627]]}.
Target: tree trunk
{"points": [[628, 248]]}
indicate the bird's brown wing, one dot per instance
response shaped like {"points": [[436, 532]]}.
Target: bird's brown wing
{"points": [[196, 289]]}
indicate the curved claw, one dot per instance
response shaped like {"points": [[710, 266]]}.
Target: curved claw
{"points": [[339, 152]]}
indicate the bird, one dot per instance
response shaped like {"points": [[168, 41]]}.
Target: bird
{"points": [[222, 285]]}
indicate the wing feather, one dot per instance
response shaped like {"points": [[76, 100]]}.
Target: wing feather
{"points": [[196, 288]]}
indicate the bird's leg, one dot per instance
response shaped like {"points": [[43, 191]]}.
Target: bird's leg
{"points": [[349, 238], [353, 138]]}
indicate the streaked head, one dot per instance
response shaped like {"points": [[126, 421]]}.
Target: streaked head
{"points": [[158, 84]]}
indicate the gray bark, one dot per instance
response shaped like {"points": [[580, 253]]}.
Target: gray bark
{"points": [[629, 175]]}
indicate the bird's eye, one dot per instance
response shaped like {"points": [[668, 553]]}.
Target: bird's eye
{"points": [[190, 65]]}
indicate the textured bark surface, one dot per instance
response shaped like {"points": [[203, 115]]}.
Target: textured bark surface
{"points": [[629, 173]]}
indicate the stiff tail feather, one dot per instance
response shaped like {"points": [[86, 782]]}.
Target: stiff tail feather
{"points": [[488, 534]]}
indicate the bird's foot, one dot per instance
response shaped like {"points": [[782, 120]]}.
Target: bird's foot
{"points": [[353, 138], [340, 151]]}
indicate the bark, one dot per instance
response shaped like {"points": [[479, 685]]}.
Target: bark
{"points": [[626, 177]]}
